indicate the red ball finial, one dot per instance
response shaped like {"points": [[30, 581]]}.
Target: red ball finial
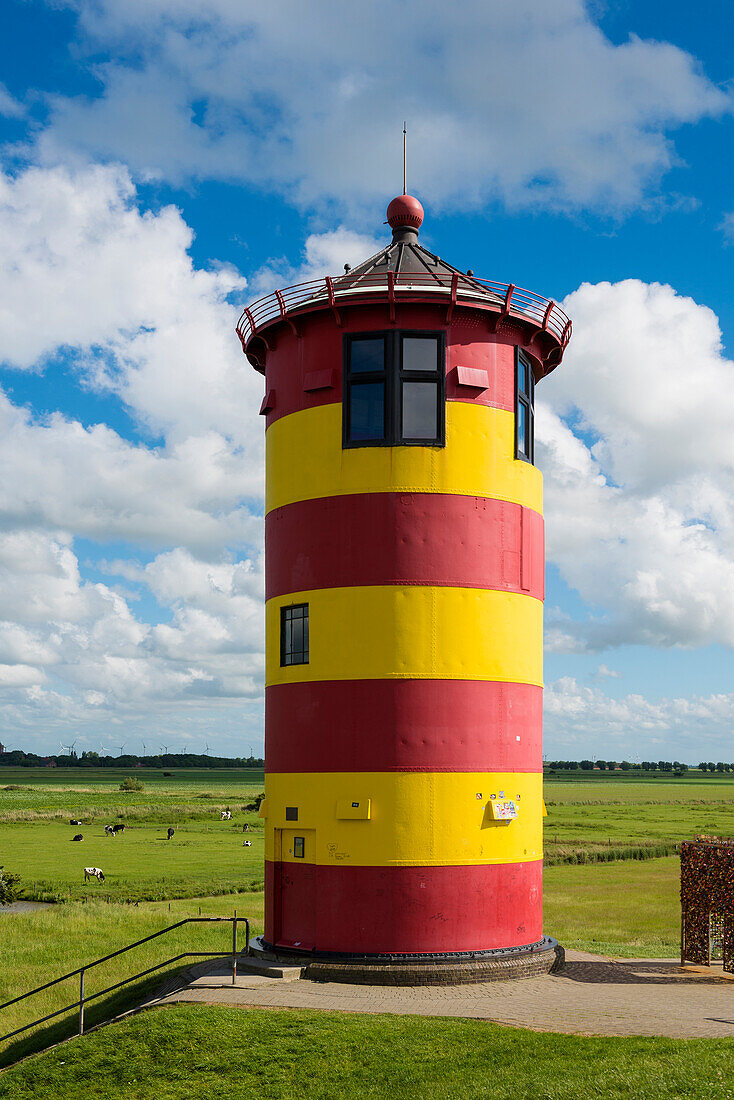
{"points": [[405, 210]]}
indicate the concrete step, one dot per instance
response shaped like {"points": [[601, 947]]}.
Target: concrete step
{"points": [[269, 969]]}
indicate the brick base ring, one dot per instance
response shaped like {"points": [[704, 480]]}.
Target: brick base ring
{"points": [[459, 968]]}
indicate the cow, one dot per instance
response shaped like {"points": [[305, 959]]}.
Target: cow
{"points": [[245, 828], [170, 834], [118, 829], [246, 843], [74, 822], [77, 837], [109, 831], [93, 872], [226, 815]]}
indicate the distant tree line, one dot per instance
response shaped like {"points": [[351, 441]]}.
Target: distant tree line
{"points": [[20, 759], [674, 766], [711, 767]]}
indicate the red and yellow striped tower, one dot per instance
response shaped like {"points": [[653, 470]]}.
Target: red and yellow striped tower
{"points": [[404, 566]]}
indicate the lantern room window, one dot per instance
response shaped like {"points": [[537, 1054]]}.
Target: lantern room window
{"points": [[294, 634], [394, 389], [524, 409]]}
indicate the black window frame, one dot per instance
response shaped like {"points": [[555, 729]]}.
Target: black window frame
{"points": [[289, 656], [393, 377], [527, 401]]}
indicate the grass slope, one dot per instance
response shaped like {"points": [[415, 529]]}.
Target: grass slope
{"points": [[37, 947], [190, 1051]]}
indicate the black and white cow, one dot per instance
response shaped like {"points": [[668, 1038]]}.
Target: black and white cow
{"points": [[170, 834], [226, 815], [74, 822], [118, 829], [93, 872], [109, 831], [246, 843], [77, 837]]}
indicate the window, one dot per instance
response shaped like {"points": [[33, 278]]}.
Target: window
{"points": [[291, 813], [299, 847], [294, 635], [394, 389], [524, 409]]}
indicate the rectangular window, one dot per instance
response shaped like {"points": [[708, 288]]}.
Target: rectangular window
{"points": [[294, 635], [394, 389], [299, 847], [524, 409]]}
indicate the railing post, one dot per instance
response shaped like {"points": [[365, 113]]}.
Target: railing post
{"points": [[81, 1003], [234, 949]]}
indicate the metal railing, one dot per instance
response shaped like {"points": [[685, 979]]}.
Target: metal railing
{"points": [[81, 971], [505, 299]]}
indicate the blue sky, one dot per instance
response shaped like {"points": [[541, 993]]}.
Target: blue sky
{"points": [[164, 161]]}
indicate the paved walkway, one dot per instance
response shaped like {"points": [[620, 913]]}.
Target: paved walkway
{"points": [[592, 995]]}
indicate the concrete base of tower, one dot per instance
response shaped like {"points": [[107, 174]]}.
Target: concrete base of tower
{"points": [[447, 968]]}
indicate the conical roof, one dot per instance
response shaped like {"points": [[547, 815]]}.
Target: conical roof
{"points": [[404, 256]]}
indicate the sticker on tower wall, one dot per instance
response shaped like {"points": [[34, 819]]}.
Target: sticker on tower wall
{"points": [[503, 811]]}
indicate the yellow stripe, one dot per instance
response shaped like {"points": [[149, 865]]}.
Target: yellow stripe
{"points": [[305, 460], [412, 633], [416, 818]]}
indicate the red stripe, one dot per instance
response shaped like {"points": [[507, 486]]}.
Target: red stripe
{"points": [[293, 360], [403, 909], [403, 725], [404, 538]]}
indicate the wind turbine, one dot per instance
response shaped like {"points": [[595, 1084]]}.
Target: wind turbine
{"points": [[122, 746], [206, 750], [165, 749]]}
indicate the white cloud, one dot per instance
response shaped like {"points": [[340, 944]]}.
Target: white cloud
{"points": [[575, 717], [727, 227], [640, 498], [58, 475], [323, 254], [9, 105], [117, 288], [84, 636], [122, 301], [310, 99]]}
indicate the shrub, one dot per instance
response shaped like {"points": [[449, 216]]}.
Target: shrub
{"points": [[131, 784], [256, 804], [8, 886]]}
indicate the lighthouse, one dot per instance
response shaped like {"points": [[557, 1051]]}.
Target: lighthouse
{"points": [[404, 559]]}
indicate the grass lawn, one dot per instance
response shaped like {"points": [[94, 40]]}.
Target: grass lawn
{"points": [[627, 908], [190, 1051], [139, 864]]}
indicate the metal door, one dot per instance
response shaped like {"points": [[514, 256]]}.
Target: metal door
{"points": [[296, 892]]}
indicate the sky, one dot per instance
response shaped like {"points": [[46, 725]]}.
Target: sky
{"points": [[163, 162]]}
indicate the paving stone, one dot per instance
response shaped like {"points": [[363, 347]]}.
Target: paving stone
{"points": [[592, 995]]}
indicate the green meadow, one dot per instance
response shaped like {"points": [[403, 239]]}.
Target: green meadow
{"points": [[601, 892]]}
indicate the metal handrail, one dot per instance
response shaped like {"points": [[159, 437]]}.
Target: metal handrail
{"points": [[504, 298], [81, 970]]}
